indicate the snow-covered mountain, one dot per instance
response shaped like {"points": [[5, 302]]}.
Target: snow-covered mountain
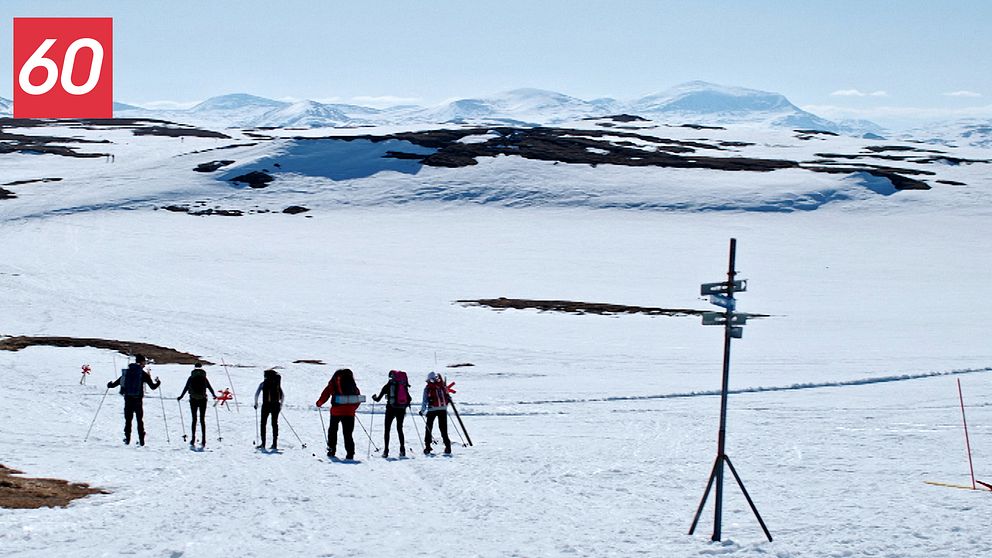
{"points": [[309, 114], [538, 106], [6, 107], [975, 132], [701, 102]]}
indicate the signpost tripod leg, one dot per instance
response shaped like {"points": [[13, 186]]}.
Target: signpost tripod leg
{"points": [[750, 502]]}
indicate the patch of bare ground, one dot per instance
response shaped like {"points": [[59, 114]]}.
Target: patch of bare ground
{"points": [[576, 307], [155, 353], [18, 492]]}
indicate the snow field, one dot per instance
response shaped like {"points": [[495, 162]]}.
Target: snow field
{"points": [[838, 471]]}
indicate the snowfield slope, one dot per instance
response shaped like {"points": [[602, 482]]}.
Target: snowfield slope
{"points": [[594, 435]]}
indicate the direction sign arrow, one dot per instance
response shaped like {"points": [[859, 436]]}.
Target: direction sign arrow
{"points": [[721, 288]]}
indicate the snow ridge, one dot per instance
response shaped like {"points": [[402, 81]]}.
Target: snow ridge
{"points": [[763, 389]]}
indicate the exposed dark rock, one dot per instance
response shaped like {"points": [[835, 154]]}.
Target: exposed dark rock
{"points": [[254, 179], [576, 307], [213, 165], [7, 194], [174, 132], [816, 132], [619, 118], [735, 143], [295, 210], [156, 353], [402, 155], [881, 148], [32, 181], [899, 182], [231, 146], [220, 212], [701, 127], [176, 209], [951, 182]]}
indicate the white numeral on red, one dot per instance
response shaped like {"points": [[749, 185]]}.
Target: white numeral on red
{"points": [[38, 60]]}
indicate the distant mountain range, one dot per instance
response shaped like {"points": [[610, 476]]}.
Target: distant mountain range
{"points": [[695, 102], [690, 103]]}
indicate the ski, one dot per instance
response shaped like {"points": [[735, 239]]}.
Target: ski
{"points": [[985, 486]]}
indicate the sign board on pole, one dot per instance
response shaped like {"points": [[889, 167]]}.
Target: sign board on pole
{"points": [[721, 288], [720, 318], [723, 301], [737, 332]]}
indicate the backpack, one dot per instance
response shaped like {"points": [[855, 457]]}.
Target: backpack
{"points": [[399, 389], [271, 388], [133, 377], [437, 395]]}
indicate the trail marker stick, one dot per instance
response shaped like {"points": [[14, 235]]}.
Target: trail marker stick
{"points": [[967, 441], [237, 406]]}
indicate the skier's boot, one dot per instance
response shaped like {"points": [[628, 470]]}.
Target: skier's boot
{"points": [[385, 453], [447, 448], [402, 452], [427, 450]]}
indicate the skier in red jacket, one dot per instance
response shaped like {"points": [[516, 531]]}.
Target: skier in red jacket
{"points": [[345, 399]]}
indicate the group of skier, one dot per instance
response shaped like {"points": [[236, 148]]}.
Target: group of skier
{"points": [[341, 391]]}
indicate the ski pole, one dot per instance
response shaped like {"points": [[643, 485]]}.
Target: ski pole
{"points": [[217, 418], [367, 434], [97, 413], [294, 431], [166, 421], [459, 432], [255, 441], [419, 439], [323, 428], [181, 419], [423, 423], [371, 427], [237, 405]]}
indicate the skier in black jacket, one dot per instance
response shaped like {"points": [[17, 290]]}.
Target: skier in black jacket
{"points": [[271, 391], [131, 382], [397, 394], [197, 386]]}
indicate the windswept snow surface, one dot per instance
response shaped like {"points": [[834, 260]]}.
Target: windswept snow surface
{"points": [[594, 435]]}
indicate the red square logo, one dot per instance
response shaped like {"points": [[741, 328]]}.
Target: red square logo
{"points": [[63, 67]]}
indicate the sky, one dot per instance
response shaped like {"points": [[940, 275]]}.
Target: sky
{"points": [[884, 60]]}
